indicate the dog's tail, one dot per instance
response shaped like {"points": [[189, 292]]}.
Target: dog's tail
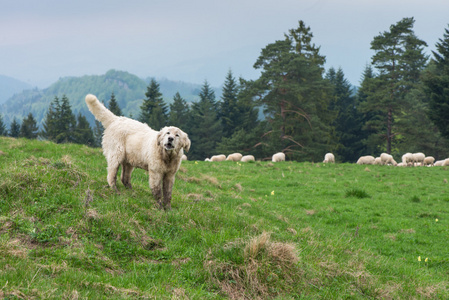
{"points": [[101, 113]]}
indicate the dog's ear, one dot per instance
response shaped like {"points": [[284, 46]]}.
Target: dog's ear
{"points": [[159, 137], [185, 141]]}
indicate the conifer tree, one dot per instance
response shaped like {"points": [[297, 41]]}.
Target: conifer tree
{"points": [[114, 107], [205, 129], [179, 112], [29, 128], [50, 125], [295, 96], [153, 110], [436, 82], [14, 130], [229, 111], [83, 133], [66, 122], [399, 59], [98, 133], [60, 123], [3, 131]]}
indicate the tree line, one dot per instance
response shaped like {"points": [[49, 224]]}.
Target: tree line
{"points": [[402, 105]]}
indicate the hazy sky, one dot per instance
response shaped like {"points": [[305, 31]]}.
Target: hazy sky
{"points": [[196, 40]]}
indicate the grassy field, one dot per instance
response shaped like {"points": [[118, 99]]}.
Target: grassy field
{"points": [[236, 231]]}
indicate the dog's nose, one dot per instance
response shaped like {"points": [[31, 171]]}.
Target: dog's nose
{"points": [[170, 139]]}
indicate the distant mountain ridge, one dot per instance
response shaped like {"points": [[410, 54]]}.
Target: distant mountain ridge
{"points": [[10, 86], [129, 92]]}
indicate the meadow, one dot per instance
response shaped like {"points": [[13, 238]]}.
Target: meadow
{"points": [[257, 230]]}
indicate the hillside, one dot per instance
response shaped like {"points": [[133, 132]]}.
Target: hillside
{"points": [[236, 231], [128, 89], [10, 86]]}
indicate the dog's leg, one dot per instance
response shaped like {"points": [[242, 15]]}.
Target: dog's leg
{"points": [[112, 175], [127, 170], [169, 180], [156, 187]]}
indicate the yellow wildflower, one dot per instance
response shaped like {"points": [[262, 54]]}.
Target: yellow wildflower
{"points": [[436, 220], [272, 193], [426, 259], [419, 258]]}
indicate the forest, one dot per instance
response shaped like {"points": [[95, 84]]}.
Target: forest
{"points": [[402, 105]]}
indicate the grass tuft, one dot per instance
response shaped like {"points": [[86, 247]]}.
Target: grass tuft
{"points": [[357, 194]]}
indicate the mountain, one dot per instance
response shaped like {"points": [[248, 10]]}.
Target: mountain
{"points": [[10, 86], [129, 91]]}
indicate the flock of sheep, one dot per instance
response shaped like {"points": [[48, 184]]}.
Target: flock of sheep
{"points": [[408, 159], [239, 157]]}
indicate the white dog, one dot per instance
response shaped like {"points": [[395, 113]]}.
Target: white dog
{"points": [[131, 144]]}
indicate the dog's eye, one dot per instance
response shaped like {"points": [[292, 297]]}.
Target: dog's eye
{"points": [[177, 135], [168, 133]]}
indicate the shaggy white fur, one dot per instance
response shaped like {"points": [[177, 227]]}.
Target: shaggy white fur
{"points": [[132, 144]]}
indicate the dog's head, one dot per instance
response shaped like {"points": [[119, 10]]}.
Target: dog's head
{"points": [[173, 138]]}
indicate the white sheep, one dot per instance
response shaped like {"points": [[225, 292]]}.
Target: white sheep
{"points": [[278, 157], [387, 159], [329, 158], [418, 158], [377, 161], [248, 158], [407, 159], [220, 157], [184, 157], [429, 161], [234, 157], [439, 163], [445, 162], [366, 160]]}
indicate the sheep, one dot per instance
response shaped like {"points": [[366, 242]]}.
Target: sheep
{"points": [[234, 157], [220, 157], [366, 160], [428, 161], [386, 159], [248, 158], [278, 157], [184, 157], [329, 158], [418, 158], [439, 163], [377, 161], [407, 159], [446, 162], [207, 159]]}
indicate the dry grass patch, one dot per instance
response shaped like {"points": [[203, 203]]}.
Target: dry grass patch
{"points": [[261, 268]]}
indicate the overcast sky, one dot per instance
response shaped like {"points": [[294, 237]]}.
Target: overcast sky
{"points": [[196, 40]]}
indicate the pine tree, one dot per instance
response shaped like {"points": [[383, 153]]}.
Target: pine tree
{"points": [[98, 133], [66, 122], [60, 123], [3, 131], [436, 81], [399, 58], [114, 107], [153, 110], [14, 130], [179, 114], [205, 129], [295, 96], [229, 110], [83, 133], [50, 126], [348, 121], [29, 128]]}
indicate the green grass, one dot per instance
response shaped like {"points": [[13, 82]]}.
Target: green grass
{"points": [[256, 230]]}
